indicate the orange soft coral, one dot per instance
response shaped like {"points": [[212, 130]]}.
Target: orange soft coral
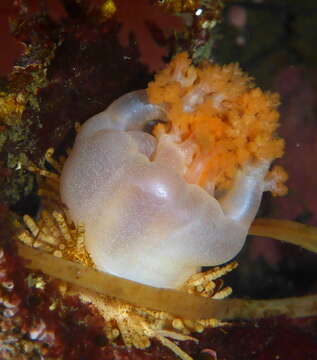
{"points": [[217, 110]]}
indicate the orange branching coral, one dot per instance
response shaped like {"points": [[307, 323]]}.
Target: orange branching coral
{"points": [[219, 113]]}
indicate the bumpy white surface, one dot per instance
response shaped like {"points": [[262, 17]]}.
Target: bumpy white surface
{"points": [[143, 221]]}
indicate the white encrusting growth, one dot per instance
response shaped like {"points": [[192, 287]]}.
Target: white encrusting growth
{"points": [[143, 221]]}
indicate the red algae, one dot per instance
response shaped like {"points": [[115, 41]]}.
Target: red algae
{"points": [[276, 338]]}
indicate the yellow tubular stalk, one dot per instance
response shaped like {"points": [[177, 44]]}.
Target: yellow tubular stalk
{"points": [[285, 230], [175, 302], [172, 301]]}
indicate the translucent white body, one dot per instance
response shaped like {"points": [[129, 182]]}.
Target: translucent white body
{"points": [[143, 221]]}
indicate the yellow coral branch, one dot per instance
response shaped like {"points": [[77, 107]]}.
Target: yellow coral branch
{"points": [[294, 307], [172, 301], [285, 230]]}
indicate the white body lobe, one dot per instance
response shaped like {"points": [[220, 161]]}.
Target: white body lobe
{"points": [[142, 220]]}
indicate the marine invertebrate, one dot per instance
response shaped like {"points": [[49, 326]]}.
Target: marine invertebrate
{"points": [[158, 207]]}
